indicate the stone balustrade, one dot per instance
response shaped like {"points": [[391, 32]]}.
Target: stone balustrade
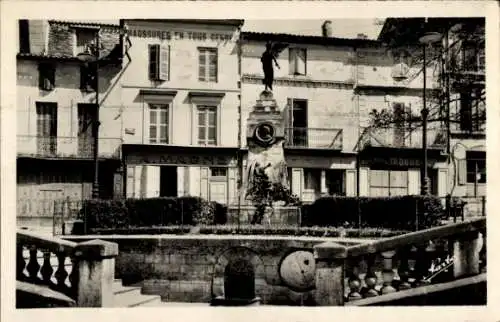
{"points": [[353, 274], [83, 271]]}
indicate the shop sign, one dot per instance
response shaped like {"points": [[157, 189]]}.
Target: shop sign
{"points": [[179, 35], [183, 159], [392, 161]]}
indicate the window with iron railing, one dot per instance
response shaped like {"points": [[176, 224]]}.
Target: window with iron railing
{"points": [[472, 113], [46, 128]]}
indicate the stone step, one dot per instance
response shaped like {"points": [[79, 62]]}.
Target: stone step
{"points": [[118, 288], [130, 296]]}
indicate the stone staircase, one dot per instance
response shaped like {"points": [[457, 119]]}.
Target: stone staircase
{"points": [[131, 296]]}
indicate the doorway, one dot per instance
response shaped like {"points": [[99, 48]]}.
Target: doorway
{"points": [[335, 182], [168, 181], [239, 280]]}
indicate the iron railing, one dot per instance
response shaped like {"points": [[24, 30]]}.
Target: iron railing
{"points": [[314, 138], [67, 147]]}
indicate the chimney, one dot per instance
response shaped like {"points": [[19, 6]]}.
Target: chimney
{"points": [[327, 28], [362, 36]]}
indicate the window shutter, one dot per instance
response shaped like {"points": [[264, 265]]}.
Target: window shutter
{"points": [[164, 64], [300, 62], [154, 61], [204, 183], [462, 171]]}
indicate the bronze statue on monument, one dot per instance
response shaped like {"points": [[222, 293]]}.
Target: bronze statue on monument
{"points": [[268, 58]]}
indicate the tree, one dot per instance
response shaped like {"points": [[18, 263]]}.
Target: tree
{"points": [[456, 64], [263, 193]]}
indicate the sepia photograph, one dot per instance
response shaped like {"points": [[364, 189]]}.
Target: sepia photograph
{"points": [[242, 162]]}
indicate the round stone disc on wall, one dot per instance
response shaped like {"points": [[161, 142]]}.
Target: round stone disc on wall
{"points": [[297, 270]]}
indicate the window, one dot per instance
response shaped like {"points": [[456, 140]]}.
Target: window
{"points": [[84, 38], [24, 36], [473, 56], [207, 64], [207, 125], [297, 61], [88, 79], [297, 120], [46, 127], [312, 179], [218, 173], [46, 76], [388, 183], [399, 124], [158, 123], [472, 112], [476, 167], [159, 62]]}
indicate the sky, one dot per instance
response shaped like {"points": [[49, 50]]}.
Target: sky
{"points": [[342, 28]]}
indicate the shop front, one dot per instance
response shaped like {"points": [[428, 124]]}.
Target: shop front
{"points": [[396, 172], [172, 171]]}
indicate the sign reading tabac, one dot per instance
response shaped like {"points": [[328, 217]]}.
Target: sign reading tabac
{"points": [[180, 35]]}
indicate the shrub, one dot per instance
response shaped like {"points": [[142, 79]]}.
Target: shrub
{"points": [[165, 211], [399, 212]]}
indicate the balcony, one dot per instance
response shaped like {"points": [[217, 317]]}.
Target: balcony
{"points": [[66, 147], [395, 137], [313, 138]]}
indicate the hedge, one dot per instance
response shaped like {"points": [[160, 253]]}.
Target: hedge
{"points": [[150, 212], [398, 212], [253, 230]]}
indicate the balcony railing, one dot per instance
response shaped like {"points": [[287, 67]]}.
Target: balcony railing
{"points": [[313, 138], [67, 147], [396, 137]]}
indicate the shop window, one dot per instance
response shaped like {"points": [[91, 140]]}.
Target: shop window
{"points": [[159, 62], [388, 183], [158, 123], [208, 64], [207, 124], [297, 61], [476, 167]]}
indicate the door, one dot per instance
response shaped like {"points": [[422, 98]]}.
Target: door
{"points": [[168, 181], [87, 115], [335, 182], [218, 192]]}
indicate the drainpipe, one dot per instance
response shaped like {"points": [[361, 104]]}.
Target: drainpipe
{"points": [[240, 152]]}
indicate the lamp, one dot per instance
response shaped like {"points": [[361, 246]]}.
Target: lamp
{"points": [[91, 55], [427, 38]]}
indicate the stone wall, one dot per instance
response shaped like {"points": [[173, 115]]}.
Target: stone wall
{"points": [[192, 268]]}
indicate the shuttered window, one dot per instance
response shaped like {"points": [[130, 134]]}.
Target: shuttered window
{"points": [[388, 183], [158, 123], [159, 62], [207, 64], [207, 125], [297, 61], [46, 122]]}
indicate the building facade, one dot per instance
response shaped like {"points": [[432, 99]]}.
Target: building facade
{"points": [[181, 93], [56, 110]]}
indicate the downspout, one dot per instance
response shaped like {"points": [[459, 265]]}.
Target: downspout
{"points": [[240, 147]]}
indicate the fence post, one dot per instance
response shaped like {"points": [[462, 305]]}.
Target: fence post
{"points": [[330, 260], [96, 273]]}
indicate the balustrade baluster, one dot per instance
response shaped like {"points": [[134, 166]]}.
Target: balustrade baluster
{"points": [[33, 266], [74, 276], [354, 283], [46, 269], [370, 278], [421, 265], [404, 269], [388, 273], [21, 263], [482, 253], [61, 272]]}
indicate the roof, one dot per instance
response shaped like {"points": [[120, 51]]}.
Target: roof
{"points": [[84, 23], [61, 57], [313, 40], [230, 22]]}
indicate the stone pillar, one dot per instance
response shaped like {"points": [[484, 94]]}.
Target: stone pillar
{"points": [[329, 277], [466, 250], [96, 273]]}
